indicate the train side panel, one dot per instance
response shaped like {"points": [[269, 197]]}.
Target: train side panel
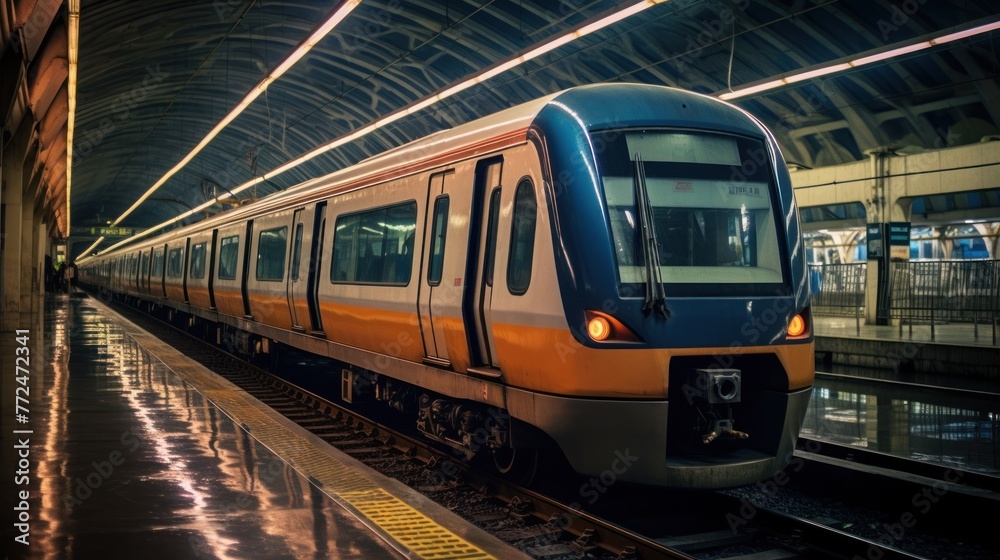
{"points": [[199, 270], [371, 266], [266, 283], [157, 269], [173, 282], [229, 257]]}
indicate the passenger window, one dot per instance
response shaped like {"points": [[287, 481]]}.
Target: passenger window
{"points": [[522, 238], [439, 232], [198, 260], [271, 247], [175, 263], [158, 263], [229, 250], [296, 252], [375, 247]]}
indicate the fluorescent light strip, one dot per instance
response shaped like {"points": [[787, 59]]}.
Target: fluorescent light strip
{"points": [[861, 61], [296, 55], [484, 75], [74, 46], [289, 61]]}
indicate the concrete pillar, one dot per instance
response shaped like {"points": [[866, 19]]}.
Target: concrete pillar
{"points": [[17, 239], [38, 250], [887, 425], [993, 241], [887, 204], [30, 179], [987, 231], [871, 291], [945, 244], [10, 316], [893, 421]]}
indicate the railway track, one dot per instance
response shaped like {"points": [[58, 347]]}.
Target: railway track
{"points": [[549, 526], [979, 392]]}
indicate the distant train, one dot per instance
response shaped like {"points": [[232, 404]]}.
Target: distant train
{"points": [[614, 271]]}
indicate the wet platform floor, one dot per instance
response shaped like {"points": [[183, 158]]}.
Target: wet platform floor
{"points": [[955, 426], [127, 460]]}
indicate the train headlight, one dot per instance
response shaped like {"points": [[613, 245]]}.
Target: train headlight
{"points": [[598, 328], [797, 326], [602, 327]]}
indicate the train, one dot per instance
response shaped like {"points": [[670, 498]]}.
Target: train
{"points": [[613, 273]]}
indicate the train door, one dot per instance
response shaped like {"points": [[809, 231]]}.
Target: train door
{"points": [[184, 271], [461, 285], [147, 258], [245, 276], [313, 265], [297, 285], [479, 296], [158, 286], [211, 269], [436, 299]]}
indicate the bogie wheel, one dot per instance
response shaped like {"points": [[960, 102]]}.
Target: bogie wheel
{"points": [[518, 465]]}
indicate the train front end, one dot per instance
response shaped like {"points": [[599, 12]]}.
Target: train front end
{"points": [[680, 268]]}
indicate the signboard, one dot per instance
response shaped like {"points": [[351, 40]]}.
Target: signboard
{"points": [[874, 239], [112, 231], [899, 240]]}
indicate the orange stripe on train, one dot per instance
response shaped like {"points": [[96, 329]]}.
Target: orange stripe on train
{"points": [[552, 361]]}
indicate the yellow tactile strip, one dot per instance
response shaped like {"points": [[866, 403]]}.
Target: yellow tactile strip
{"points": [[410, 528]]}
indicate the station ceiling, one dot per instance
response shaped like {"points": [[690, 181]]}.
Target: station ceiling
{"points": [[155, 78]]}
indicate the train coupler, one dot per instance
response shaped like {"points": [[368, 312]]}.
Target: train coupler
{"points": [[723, 428]]}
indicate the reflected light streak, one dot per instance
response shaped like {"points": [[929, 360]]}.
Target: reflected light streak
{"points": [[53, 470], [214, 536]]}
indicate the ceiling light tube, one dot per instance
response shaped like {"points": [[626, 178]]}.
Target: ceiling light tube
{"points": [[892, 53], [74, 55], [511, 62], [752, 89], [967, 33], [286, 64], [842, 64], [817, 72]]}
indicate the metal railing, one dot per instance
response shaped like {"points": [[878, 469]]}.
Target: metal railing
{"points": [[839, 290], [937, 292]]}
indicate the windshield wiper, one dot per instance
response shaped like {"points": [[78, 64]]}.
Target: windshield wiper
{"points": [[655, 296]]}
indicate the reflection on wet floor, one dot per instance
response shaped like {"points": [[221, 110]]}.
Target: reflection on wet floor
{"points": [[954, 428], [132, 462]]}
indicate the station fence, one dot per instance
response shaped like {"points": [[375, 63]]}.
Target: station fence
{"points": [[924, 292], [938, 292], [838, 289]]}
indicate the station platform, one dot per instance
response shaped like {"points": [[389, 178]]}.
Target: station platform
{"points": [[133, 451], [908, 395], [952, 351]]}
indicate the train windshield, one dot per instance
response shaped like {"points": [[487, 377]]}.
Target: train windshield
{"points": [[709, 205]]}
